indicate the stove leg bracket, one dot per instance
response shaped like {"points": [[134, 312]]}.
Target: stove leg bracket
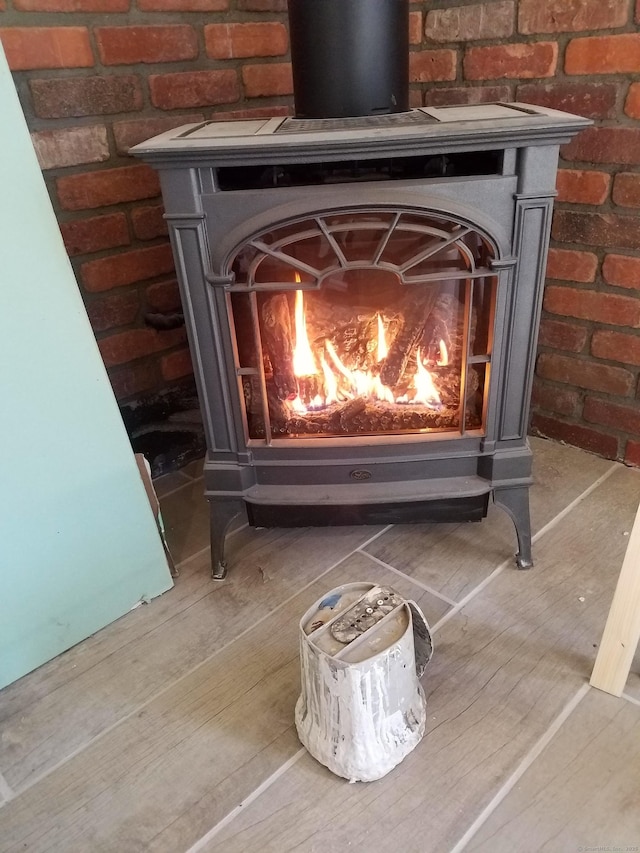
{"points": [[222, 513], [515, 502]]}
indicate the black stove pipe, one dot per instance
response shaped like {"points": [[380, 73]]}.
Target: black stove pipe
{"points": [[349, 57]]}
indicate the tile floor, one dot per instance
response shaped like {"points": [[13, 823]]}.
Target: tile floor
{"points": [[171, 730]]}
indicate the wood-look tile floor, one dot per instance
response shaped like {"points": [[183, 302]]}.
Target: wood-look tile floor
{"points": [[172, 729]]}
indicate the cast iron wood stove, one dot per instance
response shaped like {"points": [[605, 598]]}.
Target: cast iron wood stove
{"points": [[362, 297]]}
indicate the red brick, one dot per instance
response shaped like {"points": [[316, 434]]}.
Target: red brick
{"points": [[562, 401], [584, 374], [415, 97], [108, 186], [603, 55], [535, 59], [637, 15], [632, 453], [176, 365], [582, 187], [576, 435], [128, 133], [133, 379], [559, 16], [415, 27], [596, 229], [108, 6], [467, 95], [592, 100], [128, 45], [465, 23], [262, 5], [605, 145], [183, 5], [163, 297], [606, 413], [265, 80], [563, 336], [82, 236], [632, 103], [616, 346], [46, 47], [71, 146], [149, 222], [126, 268], [571, 265], [230, 41], [622, 271], [626, 190], [190, 89], [85, 96], [426, 66], [593, 305], [136, 343], [109, 312]]}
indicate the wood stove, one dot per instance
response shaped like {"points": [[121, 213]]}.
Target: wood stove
{"points": [[362, 298]]}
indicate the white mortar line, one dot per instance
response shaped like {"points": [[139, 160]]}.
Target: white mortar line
{"points": [[233, 814], [543, 530], [193, 669], [6, 791], [631, 699], [406, 577], [522, 768]]}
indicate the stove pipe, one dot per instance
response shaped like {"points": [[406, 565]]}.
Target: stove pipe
{"points": [[349, 57]]}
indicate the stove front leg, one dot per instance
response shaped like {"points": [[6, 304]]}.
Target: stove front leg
{"points": [[515, 502], [221, 515]]}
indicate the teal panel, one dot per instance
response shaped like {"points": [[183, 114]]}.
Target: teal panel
{"points": [[78, 542]]}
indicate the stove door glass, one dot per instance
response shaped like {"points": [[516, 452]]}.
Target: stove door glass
{"points": [[370, 322]]}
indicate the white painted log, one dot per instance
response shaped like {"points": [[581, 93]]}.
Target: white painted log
{"points": [[362, 708]]}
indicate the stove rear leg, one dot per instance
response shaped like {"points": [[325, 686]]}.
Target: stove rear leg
{"points": [[515, 502], [222, 513]]}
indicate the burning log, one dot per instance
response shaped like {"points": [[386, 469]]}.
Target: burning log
{"points": [[416, 308], [278, 338]]}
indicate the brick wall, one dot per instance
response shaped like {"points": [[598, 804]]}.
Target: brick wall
{"points": [[96, 76]]}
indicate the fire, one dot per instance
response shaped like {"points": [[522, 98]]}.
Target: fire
{"points": [[443, 358], [304, 364], [426, 391], [336, 383]]}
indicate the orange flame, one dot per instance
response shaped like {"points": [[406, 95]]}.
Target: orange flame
{"points": [[338, 383], [304, 364]]}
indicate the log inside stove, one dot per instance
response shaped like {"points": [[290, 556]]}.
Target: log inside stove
{"points": [[425, 323]]}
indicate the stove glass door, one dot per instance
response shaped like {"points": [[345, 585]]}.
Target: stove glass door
{"points": [[369, 322]]}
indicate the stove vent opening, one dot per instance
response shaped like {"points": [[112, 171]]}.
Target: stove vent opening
{"points": [[453, 165], [349, 57]]}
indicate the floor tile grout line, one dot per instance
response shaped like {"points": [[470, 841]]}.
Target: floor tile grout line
{"points": [[543, 530], [206, 548], [233, 814], [189, 482], [185, 675], [575, 502], [522, 768], [406, 577], [631, 699], [6, 791]]}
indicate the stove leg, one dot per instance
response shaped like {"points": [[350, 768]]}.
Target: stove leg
{"points": [[221, 514], [515, 502]]}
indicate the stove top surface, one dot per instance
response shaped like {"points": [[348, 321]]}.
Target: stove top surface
{"points": [[471, 125]]}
